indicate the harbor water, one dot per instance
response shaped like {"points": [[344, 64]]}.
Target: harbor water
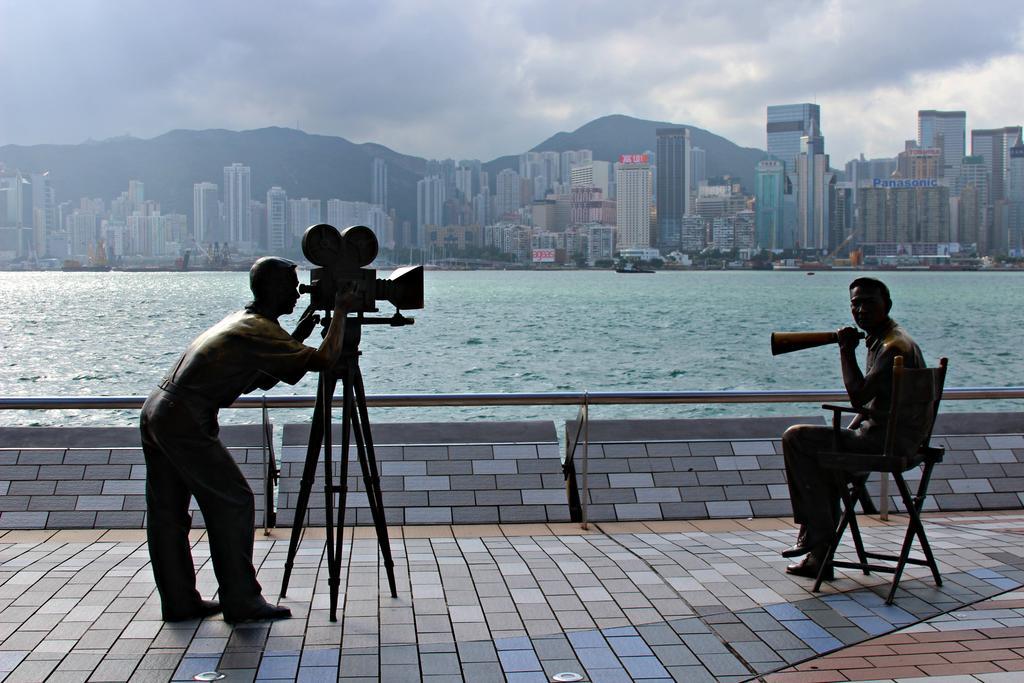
{"points": [[116, 334]]}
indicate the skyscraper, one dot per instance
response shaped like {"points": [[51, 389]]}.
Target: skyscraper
{"points": [[430, 199], [278, 237], [769, 188], [633, 206], [507, 195], [44, 210], [237, 195], [205, 213], [787, 123], [302, 213], [1015, 205], [379, 183], [673, 173], [947, 131], [814, 188], [975, 190], [698, 167], [993, 145]]}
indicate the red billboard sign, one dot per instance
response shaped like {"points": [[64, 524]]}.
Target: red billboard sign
{"points": [[632, 158], [543, 255]]}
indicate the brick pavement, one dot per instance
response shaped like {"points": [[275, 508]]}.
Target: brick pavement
{"points": [[658, 601]]}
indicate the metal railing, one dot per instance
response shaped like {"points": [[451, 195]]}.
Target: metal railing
{"points": [[551, 398], [577, 499]]}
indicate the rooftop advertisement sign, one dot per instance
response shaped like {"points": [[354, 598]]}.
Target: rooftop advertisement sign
{"points": [[632, 158], [902, 183]]}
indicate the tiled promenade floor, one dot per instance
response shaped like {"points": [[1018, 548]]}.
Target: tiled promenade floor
{"points": [[684, 601]]}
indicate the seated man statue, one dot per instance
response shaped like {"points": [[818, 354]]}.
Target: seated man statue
{"points": [[245, 351], [814, 490]]}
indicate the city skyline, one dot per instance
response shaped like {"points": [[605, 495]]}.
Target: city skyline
{"points": [[484, 81]]}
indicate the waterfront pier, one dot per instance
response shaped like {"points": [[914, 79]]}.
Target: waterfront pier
{"points": [[677, 575]]}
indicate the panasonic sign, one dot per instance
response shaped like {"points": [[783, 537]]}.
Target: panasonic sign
{"points": [[900, 183]]}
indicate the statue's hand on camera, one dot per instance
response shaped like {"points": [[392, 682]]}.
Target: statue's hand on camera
{"points": [[345, 298], [307, 323]]}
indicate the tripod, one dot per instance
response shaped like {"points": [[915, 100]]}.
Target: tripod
{"points": [[354, 421]]}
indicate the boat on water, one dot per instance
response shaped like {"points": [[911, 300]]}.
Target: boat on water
{"points": [[73, 266], [631, 267]]}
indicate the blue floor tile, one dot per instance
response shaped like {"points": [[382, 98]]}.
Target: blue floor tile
{"points": [[644, 667], [597, 658], [278, 667], [519, 660], [586, 639], [518, 643], [894, 614], [784, 612], [527, 677], [873, 625], [619, 631], [320, 657], [821, 645], [190, 666], [805, 628], [610, 675], [630, 646]]}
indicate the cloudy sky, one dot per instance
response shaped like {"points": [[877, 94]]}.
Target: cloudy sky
{"points": [[481, 78]]}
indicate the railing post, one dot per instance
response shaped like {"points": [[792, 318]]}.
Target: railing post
{"points": [[270, 472], [585, 494], [883, 497]]}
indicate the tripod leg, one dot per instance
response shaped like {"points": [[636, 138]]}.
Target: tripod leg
{"points": [[336, 534], [316, 434], [371, 477]]}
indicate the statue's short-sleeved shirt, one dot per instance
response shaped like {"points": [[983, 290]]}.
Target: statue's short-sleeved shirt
{"points": [[882, 350], [242, 352]]}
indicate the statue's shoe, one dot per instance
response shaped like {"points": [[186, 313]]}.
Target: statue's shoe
{"points": [[262, 612], [205, 608]]}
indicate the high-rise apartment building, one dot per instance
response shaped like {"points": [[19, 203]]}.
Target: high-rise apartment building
{"points": [[44, 210], [947, 131], [787, 124], [136, 193], [698, 167], [673, 173], [994, 145], [205, 213], [919, 162], [769, 188], [593, 174], [1011, 214], [464, 183], [974, 215], [572, 158], [633, 205], [378, 183], [302, 213], [237, 195], [278, 234], [430, 200], [507, 197], [1015, 184], [894, 219]]}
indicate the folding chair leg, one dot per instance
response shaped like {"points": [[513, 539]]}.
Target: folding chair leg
{"points": [[914, 528], [922, 492], [858, 543], [848, 516]]}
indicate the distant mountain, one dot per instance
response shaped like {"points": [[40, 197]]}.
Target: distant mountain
{"points": [[610, 136], [305, 165], [317, 166]]}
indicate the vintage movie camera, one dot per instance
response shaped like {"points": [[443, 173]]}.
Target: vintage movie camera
{"points": [[342, 257]]}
